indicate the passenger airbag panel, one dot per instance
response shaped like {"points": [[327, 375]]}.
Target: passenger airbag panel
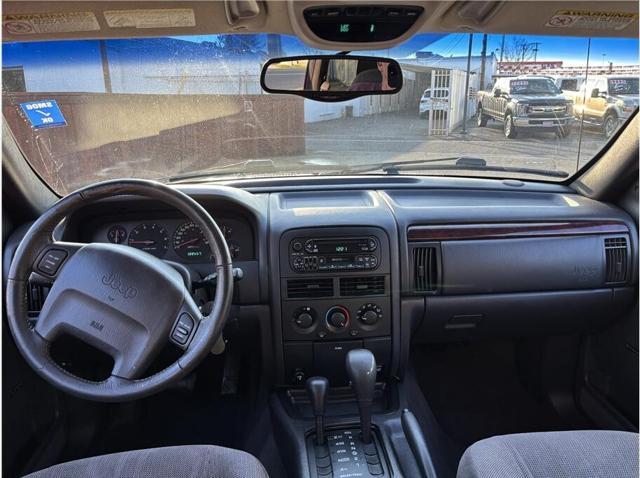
{"points": [[528, 264]]}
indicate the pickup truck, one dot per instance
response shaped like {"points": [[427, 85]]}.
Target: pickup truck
{"points": [[531, 103], [605, 101]]}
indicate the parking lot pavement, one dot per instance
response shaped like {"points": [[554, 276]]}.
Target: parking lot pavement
{"points": [[403, 137]]}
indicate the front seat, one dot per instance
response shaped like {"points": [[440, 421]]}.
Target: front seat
{"points": [[193, 461], [573, 454]]}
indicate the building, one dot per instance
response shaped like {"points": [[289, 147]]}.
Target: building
{"points": [[526, 67], [429, 59]]}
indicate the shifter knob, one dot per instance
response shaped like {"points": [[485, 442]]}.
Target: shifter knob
{"points": [[362, 370], [317, 388]]}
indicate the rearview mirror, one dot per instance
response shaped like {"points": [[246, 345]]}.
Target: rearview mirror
{"points": [[331, 77]]}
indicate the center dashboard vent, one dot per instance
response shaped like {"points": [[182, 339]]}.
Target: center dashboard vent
{"points": [[425, 269], [361, 286], [615, 249], [309, 288]]}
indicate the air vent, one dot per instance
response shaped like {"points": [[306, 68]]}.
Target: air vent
{"points": [[309, 288], [36, 296], [425, 269], [615, 249], [360, 286]]}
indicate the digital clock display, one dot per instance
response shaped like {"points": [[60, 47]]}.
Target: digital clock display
{"points": [[342, 246]]}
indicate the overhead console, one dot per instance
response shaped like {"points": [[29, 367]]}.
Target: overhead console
{"points": [[361, 23], [337, 26]]}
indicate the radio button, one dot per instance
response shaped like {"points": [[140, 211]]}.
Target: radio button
{"points": [[310, 246], [297, 246], [372, 244]]}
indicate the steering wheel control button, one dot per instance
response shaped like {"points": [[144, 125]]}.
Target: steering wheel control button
{"points": [[183, 329], [51, 261]]}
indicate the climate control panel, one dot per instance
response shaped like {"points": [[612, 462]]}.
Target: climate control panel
{"points": [[348, 318], [335, 295]]}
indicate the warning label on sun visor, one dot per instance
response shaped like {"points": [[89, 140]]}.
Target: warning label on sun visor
{"points": [[34, 23], [587, 19], [154, 18]]}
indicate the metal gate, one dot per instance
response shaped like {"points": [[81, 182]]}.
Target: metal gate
{"points": [[440, 103]]}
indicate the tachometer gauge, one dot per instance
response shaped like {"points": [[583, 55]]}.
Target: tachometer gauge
{"points": [[117, 234], [189, 242], [151, 238]]}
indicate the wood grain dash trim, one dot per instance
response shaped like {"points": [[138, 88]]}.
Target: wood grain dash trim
{"points": [[459, 232]]}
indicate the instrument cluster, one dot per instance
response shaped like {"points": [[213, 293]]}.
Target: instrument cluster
{"points": [[181, 240]]}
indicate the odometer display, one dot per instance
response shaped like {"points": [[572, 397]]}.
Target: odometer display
{"points": [[151, 238], [189, 242]]}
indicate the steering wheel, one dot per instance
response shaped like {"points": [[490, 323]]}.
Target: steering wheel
{"points": [[120, 300]]}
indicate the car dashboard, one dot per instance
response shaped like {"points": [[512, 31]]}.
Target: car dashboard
{"points": [[331, 267]]}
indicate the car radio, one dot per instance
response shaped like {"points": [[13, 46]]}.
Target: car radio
{"points": [[330, 254]]}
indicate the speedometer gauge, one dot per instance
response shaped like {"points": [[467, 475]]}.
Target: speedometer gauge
{"points": [[151, 238], [189, 242]]}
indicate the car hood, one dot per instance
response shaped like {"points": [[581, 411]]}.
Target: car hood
{"points": [[628, 99], [540, 99]]}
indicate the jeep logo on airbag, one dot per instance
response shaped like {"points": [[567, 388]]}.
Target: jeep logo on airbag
{"points": [[116, 284]]}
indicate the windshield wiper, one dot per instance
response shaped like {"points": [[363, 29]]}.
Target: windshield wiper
{"points": [[467, 163], [252, 166]]}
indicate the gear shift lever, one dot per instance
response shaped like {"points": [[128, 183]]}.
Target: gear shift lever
{"points": [[317, 388], [362, 370]]}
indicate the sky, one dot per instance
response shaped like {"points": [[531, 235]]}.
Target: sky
{"points": [[571, 50]]}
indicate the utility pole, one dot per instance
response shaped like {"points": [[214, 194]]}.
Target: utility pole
{"points": [[502, 49], [483, 61], [466, 87], [536, 45], [105, 66]]}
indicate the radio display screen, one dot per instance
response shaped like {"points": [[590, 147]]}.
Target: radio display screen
{"points": [[339, 247]]}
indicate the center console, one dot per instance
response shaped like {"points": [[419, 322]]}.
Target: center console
{"points": [[335, 288]]}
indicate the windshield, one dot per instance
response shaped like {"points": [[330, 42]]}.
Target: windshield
{"points": [[623, 86], [533, 86], [177, 108]]}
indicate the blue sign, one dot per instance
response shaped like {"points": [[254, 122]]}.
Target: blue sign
{"points": [[43, 114]]}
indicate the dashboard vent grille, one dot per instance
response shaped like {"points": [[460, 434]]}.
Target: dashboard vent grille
{"points": [[309, 288], [615, 249], [360, 286], [425, 269]]}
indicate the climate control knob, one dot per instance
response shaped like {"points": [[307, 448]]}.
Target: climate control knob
{"points": [[304, 317], [369, 314], [338, 317]]}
